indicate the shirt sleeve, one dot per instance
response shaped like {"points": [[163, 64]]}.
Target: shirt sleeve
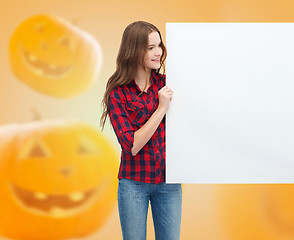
{"points": [[120, 122]]}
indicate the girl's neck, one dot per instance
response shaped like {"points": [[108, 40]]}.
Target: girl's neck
{"points": [[141, 77]]}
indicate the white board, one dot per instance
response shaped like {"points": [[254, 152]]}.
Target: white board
{"points": [[231, 119]]}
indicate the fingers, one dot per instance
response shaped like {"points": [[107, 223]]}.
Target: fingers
{"points": [[166, 92], [166, 89], [169, 92]]}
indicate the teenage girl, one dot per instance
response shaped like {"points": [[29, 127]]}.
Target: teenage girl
{"points": [[136, 101]]}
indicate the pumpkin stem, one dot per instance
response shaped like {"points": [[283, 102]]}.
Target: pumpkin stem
{"points": [[36, 114]]}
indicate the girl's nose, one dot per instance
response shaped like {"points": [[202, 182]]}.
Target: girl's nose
{"points": [[158, 52]]}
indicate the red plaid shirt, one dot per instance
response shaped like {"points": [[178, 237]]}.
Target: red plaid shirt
{"points": [[128, 113]]}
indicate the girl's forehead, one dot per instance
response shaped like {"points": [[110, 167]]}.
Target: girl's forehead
{"points": [[154, 38]]}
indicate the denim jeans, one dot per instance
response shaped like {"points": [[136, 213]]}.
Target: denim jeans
{"points": [[166, 206]]}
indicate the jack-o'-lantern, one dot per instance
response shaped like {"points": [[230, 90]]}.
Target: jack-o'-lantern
{"points": [[57, 180], [257, 211], [54, 57]]}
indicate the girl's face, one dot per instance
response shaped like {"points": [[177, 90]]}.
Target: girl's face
{"points": [[154, 52]]}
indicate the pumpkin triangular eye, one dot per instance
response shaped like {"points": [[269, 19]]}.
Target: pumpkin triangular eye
{"points": [[87, 147], [34, 149], [40, 27], [66, 41], [37, 151], [82, 149]]}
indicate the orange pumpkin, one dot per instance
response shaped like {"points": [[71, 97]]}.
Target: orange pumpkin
{"points": [[57, 180], [257, 211], [54, 57]]}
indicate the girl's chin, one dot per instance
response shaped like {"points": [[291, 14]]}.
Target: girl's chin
{"points": [[155, 67]]}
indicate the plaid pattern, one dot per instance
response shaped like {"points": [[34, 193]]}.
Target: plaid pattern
{"points": [[128, 113]]}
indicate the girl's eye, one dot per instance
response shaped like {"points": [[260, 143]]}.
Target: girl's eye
{"points": [[150, 48]]}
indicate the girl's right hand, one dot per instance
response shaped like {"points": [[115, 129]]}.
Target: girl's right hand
{"points": [[165, 95]]}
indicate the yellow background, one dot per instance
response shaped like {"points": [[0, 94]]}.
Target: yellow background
{"points": [[206, 209]]}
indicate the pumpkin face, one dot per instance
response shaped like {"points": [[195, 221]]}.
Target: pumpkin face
{"points": [[54, 57], [58, 179], [257, 211]]}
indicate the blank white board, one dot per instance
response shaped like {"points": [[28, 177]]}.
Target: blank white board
{"points": [[231, 119]]}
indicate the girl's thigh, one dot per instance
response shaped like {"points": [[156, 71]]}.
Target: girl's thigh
{"points": [[133, 200], [166, 204]]}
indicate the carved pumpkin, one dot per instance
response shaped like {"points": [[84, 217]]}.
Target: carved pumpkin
{"points": [[257, 211], [57, 180], [54, 57]]}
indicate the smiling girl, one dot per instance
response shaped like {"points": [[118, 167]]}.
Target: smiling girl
{"points": [[136, 101]]}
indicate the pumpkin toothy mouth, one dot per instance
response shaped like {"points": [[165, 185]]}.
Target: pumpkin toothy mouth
{"points": [[42, 68], [53, 204]]}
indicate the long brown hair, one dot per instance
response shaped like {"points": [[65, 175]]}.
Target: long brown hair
{"points": [[132, 50]]}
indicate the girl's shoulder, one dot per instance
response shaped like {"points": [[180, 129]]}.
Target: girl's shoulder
{"points": [[117, 93], [120, 93]]}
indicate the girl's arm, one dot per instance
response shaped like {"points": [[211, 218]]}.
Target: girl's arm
{"points": [[142, 135]]}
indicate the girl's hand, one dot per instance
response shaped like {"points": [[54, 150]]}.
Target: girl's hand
{"points": [[165, 95]]}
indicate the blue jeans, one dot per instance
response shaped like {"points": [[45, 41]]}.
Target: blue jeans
{"points": [[166, 205]]}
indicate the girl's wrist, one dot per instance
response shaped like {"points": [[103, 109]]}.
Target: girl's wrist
{"points": [[162, 109]]}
